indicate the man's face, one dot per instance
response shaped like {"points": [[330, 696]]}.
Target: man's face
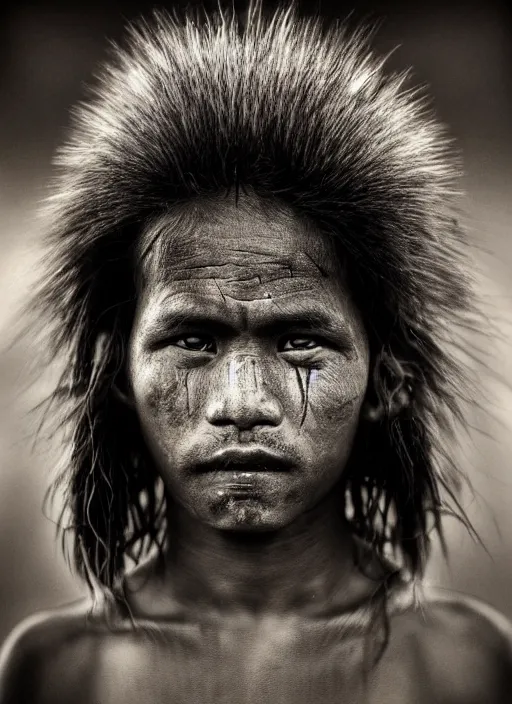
{"points": [[248, 364]]}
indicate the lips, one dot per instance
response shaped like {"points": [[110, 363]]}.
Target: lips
{"points": [[245, 460]]}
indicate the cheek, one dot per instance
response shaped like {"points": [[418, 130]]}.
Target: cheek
{"points": [[165, 394], [336, 393], [159, 390]]}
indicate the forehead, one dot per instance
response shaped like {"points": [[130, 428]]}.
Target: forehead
{"points": [[233, 241], [247, 263]]}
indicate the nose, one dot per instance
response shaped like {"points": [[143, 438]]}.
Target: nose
{"points": [[241, 396]]}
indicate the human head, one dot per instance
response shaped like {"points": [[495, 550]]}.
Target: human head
{"points": [[303, 117]]}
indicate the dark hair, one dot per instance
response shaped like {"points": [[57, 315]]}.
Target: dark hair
{"points": [[304, 115]]}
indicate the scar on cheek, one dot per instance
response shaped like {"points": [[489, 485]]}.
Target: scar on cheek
{"points": [[304, 377], [187, 391], [340, 410], [188, 386], [194, 385]]}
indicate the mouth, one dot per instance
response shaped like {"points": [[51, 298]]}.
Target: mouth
{"points": [[243, 463]]}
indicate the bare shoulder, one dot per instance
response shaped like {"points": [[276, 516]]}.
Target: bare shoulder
{"points": [[46, 656], [460, 646]]}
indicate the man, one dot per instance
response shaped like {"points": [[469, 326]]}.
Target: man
{"points": [[255, 278]]}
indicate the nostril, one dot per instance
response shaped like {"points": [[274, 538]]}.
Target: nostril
{"points": [[245, 417], [245, 410]]}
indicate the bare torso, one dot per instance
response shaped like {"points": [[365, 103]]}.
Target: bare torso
{"points": [[236, 661], [448, 652]]}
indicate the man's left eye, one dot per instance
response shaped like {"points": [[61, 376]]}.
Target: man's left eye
{"points": [[299, 343]]}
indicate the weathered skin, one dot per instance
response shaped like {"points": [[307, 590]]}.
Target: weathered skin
{"points": [[246, 336], [247, 284]]}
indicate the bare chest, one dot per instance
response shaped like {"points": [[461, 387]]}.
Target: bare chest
{"points": [[285, 666]]}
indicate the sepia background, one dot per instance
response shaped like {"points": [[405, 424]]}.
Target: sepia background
{"points": [[48, 51]]}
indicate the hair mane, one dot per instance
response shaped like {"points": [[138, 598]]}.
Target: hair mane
{"points": [[305, 115]]}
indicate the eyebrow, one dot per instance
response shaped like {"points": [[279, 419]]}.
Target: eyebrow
{"points": [[307, 319]]}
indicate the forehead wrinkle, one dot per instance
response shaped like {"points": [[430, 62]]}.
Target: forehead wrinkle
{"points": [[182, 239], [226, 262], [247, 288], [249, 271], [276, 276]]}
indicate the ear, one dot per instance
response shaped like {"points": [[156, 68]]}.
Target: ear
{"points": [[121, 388], [374, 410], [390, 390]]}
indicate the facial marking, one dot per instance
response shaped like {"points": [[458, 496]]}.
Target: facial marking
{"points": [[243, 370], [187, 392]]}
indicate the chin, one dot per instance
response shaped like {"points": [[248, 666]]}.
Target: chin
{"points": [[249, 515]]}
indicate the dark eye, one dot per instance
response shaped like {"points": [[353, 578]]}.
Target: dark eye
{"points": [[300, 343], [196, 343]]}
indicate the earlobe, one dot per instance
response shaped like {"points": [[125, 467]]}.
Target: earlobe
{"points": [[372, 412]]}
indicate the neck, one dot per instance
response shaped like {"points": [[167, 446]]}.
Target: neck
{"points": [[307, 567]]}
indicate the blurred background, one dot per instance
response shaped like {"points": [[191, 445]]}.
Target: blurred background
{"points": [[48, 51]]}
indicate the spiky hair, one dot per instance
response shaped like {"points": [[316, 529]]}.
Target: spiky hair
{"points": [[304, 115]]}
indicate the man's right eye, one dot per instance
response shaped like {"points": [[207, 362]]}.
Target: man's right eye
{"points": [[195, 343]]}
